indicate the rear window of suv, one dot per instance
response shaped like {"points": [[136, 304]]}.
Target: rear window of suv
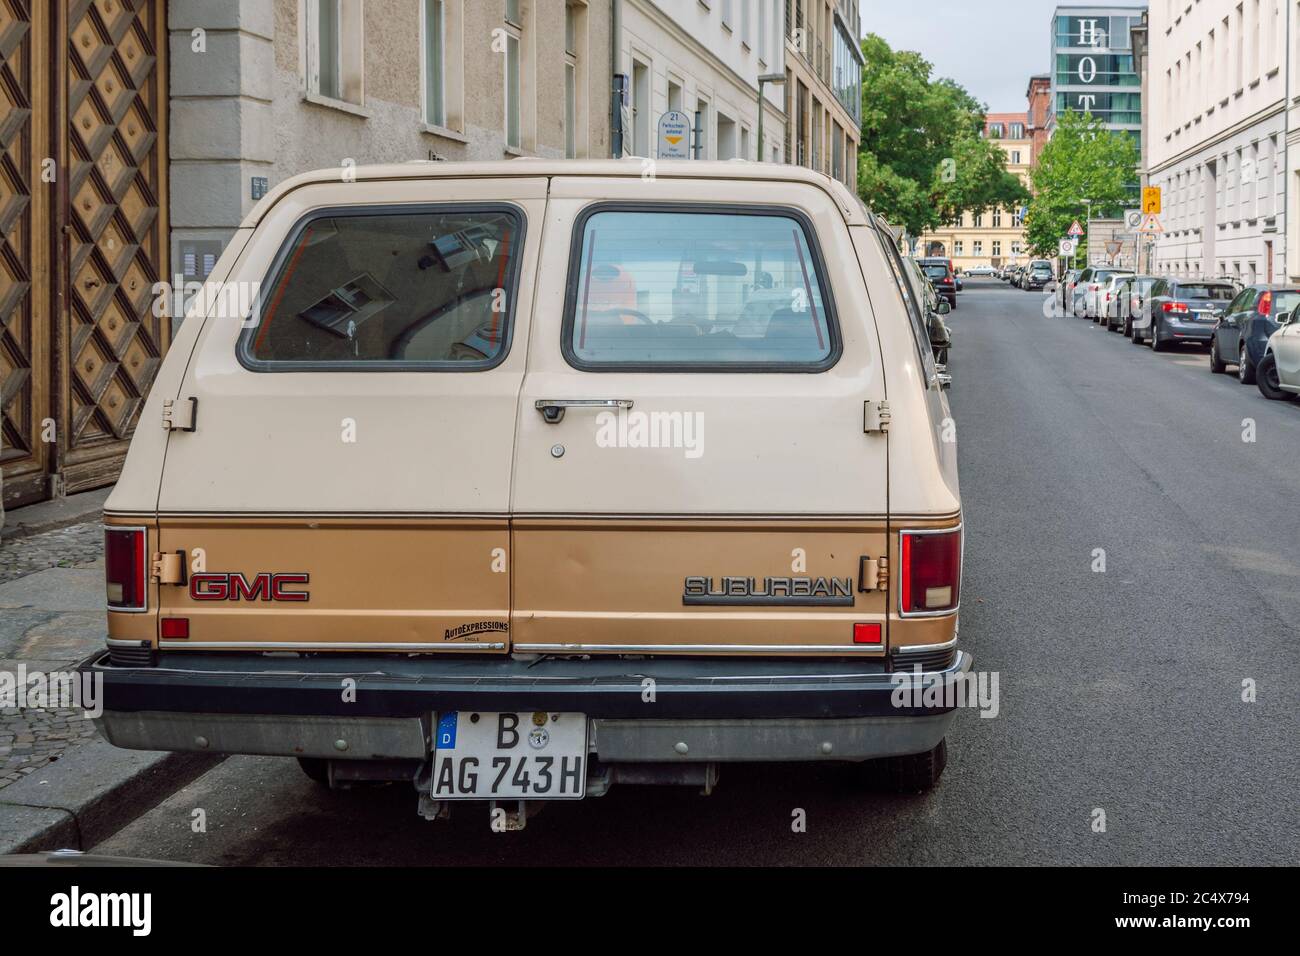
{"points": [[406, 289], [1219, 293], [696, 288]]}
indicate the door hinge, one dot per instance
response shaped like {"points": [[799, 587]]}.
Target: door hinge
{"points": [[168, 567], [180, 414], [875, 418], [873, 574]]}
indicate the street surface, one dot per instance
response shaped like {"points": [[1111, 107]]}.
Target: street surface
{"points": [[1121, 690]]}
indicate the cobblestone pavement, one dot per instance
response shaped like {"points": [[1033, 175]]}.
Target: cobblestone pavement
{"points": [[75, 546], [47, 626]]}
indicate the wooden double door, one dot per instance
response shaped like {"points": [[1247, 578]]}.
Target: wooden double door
{"points": [[83, 236]]}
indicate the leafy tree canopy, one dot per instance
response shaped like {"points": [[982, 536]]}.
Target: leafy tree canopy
{"points": [[1082, 160], [922, 160]]}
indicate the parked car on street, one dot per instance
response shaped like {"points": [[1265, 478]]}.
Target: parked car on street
{"points": [[1181, 310], [1278, 374], [1243, 329], [1087, 298], [479, 610], [1129, 293], [939, 272], [982, 271], [1066, 288], [1036, 275]]}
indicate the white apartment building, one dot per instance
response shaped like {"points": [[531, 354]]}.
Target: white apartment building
{"points": [[705, 56], [1216, 140]]}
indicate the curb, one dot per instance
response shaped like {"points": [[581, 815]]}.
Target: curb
{"points": [[52, 515], [90, 794]]}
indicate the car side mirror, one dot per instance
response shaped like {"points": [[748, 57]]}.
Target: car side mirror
{"points": [[943, 308]]}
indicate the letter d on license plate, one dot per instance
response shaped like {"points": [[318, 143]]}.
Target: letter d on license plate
{"points": [[538, 755]]}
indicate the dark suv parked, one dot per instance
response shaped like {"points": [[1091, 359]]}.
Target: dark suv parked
{"points": [[1242, 331], [1185, 310], [1037, 275], [939, 272]]}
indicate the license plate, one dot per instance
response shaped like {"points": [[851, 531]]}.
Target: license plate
{"points": [[510, 756]]}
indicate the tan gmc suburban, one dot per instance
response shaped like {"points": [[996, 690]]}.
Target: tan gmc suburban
{"points": [[517, 480]]}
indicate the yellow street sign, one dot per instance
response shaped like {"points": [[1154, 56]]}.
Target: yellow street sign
{"points": [[1151, 200]]}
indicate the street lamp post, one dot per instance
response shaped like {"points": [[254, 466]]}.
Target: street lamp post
{"points": [[764, 79]]}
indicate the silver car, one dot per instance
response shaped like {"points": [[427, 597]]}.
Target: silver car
{"points": [[1087, 301]]}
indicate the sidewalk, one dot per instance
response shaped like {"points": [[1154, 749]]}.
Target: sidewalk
{"points": [[51, 617]]}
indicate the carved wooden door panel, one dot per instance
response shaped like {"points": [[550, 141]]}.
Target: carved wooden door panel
{"points": [[83, 236], [25, 235], [111, 341]]}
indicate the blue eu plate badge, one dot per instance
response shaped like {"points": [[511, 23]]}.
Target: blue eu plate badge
{"points": [[446, 739]]}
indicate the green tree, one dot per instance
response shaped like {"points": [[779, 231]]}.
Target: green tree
{"points": [[922, 161], [1082, 160]]}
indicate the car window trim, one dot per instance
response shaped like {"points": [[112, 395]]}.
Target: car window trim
{"points": [[802, 220], [273, 275]]}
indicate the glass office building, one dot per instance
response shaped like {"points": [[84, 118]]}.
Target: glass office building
{"points": [[1093, 69]]}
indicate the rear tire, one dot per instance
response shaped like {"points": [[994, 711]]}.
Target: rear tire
{"points": [[317, 768], [1266, 379], [1217, 365], [911, 773], [1245, 371], [1156, 344]]}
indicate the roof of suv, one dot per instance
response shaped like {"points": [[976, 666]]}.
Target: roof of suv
{"points": [[855, 213]]}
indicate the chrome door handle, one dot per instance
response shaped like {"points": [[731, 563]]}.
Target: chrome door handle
{"points": [[552, 409]]}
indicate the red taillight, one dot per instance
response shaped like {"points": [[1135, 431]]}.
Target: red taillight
{"points": [[1093, 287], [1265, 304], [124, 558], [931, 571], [1180, 308], [1107, 296]]}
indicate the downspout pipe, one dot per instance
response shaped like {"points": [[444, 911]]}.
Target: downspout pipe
{"points": [[615, 104]]}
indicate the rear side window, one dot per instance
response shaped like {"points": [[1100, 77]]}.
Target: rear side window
{"points": [[422, 288], [696, 288]]}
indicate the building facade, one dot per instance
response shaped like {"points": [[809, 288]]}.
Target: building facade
{"points": [[173, 117], [1039, 97], [823, 87], [1217, 137], [703, 59], [992, 237]]}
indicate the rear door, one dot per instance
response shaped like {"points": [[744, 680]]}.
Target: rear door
{"points": [[692, 474], [346, 484]]}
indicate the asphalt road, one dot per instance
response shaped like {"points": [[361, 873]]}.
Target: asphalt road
{"points": [[1121, 691]]}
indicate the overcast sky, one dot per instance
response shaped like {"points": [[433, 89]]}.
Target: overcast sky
{"points": [[991, 47]]}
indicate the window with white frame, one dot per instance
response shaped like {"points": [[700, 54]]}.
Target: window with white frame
{"points": [[997, 218], [434, 28], [334, 44], [997, 247], [957, 247], [979, 247], [1015, 248], [514, 74], [1017, 218]]}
